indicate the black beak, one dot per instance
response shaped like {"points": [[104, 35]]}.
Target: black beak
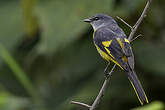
{"points": [[87, 20]]}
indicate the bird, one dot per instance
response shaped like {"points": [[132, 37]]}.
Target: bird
{"points": [[112, 44]]}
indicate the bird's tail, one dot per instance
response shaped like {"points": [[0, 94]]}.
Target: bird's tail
{"points": [[137, 87]]}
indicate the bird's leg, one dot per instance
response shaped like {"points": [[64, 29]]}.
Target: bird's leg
{"points": [[106, 72]]}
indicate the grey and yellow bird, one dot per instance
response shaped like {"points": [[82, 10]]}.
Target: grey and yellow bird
{"points": [[113, 45]]}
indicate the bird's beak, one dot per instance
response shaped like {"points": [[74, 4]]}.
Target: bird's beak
{"points": [[87, 20]]}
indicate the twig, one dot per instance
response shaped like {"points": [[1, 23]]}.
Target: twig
{"points": [[81, 104], [139, 20], [136, 37], [124, 22], [133, 30]]}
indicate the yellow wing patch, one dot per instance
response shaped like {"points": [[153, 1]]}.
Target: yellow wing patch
{"points": [[120, 42], [106, 56], [126, 40], [109, 52], [125, 59], [107, 43]]}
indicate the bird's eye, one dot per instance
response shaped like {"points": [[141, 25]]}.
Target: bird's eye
{"points": [[96, 18]]}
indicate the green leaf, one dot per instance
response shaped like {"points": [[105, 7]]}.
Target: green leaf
{"points": [[19, 73]]}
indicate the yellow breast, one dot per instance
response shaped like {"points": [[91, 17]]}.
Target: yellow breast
{"points": [[103, 54], [106, 56]]}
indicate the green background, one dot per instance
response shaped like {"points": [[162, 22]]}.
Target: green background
{"points": [[47, 56]]}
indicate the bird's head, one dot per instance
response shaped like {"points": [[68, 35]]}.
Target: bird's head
{"points": [[100, 20]]}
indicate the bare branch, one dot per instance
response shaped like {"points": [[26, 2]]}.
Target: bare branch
{"points": [[98, 98], [136, 37], [81, 104], [139, 20], [124, 22]]}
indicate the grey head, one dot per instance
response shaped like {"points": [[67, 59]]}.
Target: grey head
{"points": [[100, 20]]}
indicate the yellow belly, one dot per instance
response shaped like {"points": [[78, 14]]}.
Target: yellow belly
{"points": [[103, 54], [106, 56]]}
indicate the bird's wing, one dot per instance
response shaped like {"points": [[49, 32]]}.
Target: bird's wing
{"points": [[117, 47]]}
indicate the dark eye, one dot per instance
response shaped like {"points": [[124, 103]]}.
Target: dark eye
{"points": [[96, 18]]}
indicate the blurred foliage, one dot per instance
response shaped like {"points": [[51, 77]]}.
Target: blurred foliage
{"points": [[153, 106], [47, 56]]}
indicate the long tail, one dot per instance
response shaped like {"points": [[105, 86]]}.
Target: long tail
{"points": [[137, 87]]}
